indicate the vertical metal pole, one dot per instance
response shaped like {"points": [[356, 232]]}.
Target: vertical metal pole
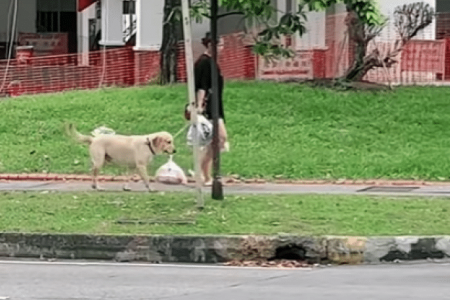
{"points": [[191, 90], [217, 190]]}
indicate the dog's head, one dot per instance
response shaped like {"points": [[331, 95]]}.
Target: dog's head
{"points": [[163, 143]]}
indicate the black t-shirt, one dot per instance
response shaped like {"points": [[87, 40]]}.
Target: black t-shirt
{"points": [[203, 81]]}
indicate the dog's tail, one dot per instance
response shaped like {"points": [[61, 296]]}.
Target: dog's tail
{"points": [[71, 131]]}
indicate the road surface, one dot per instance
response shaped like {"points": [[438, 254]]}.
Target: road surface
{"points": [[21, 280]]}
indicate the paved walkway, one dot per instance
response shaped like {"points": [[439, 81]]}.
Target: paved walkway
{"points": [[442, 190]]}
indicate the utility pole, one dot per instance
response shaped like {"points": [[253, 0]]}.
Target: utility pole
{"points": [[217, 189], [191, 90]]}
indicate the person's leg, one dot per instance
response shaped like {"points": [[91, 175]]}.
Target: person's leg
{"points": [[207, 155], [223, 136], [206, 162]]}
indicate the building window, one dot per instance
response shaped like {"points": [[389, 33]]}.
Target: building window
{"points": [[53, 15], [129, 7], [129, 21], [48, 21], [58, 16]]}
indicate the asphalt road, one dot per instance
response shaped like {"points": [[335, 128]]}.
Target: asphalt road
{"points": [[68, 280]]}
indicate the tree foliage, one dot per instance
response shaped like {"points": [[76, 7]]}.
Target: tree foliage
{"points": [[262, 12], [366, 10], [364, 23], [412, 18], [256, 13]]}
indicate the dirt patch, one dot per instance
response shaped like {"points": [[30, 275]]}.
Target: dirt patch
{"points": [[342, 85], [286, 264]]}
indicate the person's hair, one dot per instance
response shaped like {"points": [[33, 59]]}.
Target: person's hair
{"points": [[207, 39]]}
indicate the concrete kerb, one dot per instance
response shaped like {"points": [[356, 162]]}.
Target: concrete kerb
{"points": [[228, 180], [220, 249]]}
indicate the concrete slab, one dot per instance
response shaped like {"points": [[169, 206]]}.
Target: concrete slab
{"points": [[237, 189]]}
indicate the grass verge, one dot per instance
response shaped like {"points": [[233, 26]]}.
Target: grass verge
{"points": [[276, 130], [304, 215]]}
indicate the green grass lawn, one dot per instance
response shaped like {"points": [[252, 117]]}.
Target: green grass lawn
{"points": [[304, 215], [283, 130]]}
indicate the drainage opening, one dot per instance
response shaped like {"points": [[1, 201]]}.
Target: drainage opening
{"points": [[290, 252]]}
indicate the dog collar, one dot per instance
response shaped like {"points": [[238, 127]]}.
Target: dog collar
{"points": [[150, 147]]}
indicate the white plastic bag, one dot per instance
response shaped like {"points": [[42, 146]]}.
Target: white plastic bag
{"points": [[171, 173], [204, 131], [103, 130]]}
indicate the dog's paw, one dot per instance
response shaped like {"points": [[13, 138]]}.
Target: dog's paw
{"points": [[98, 188], [126, 188]]}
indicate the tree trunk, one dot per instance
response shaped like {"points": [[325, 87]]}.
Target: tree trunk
{"points": [[171, 35], [357, 35], [357, 71]]}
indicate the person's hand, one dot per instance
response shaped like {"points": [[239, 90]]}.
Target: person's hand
{"points": [[201, 107], [187, 112], [201, 101]]}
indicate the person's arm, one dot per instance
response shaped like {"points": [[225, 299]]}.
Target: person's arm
{"points": [[201, 93]]}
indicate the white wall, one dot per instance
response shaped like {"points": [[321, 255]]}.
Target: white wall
{"points": [[83, 28], [150, 15], [111, 21], [26, 17], [198, 32], [314, 37]]}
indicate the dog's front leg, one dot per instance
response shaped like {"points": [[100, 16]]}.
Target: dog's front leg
{"points": [[126, 186], [143, 173]]}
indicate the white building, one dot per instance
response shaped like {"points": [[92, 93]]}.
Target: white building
{"points": [[62, 16], [81, 27]]}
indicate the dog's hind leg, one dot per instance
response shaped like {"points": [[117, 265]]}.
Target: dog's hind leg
{"points": [[95, 171], [98, 159], [142, 170]]}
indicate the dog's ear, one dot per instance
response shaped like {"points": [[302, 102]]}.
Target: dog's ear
{"points": [[157, 141]]}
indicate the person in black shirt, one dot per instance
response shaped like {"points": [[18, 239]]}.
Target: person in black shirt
{"points": [[203, 85]]}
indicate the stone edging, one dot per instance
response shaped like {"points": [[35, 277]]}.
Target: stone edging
{"points": [[218, 249], [229, 180]]}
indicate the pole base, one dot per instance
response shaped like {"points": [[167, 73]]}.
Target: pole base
{"points": [[217, 190]]}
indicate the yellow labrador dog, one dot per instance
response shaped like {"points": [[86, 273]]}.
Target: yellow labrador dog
{"points": [[134, 151]]}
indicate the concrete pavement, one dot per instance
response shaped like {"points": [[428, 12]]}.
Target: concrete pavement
{"points": [[26, 280], [442, 190]]}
